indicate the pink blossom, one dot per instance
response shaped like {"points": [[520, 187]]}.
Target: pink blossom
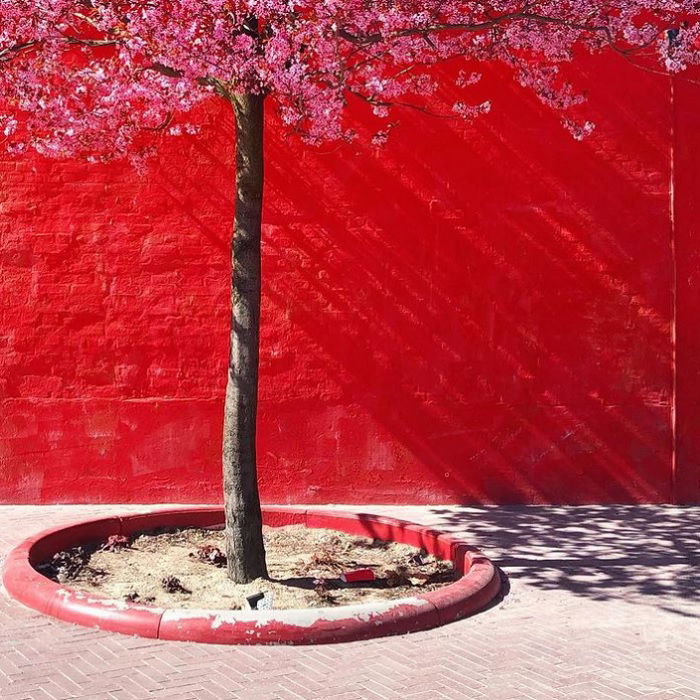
{"points": [[95, 79]]}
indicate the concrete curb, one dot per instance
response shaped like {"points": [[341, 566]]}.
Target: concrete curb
{"points": [[476, 588]]}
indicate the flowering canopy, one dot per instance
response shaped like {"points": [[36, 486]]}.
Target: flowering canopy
{"points": [[87, 77]]}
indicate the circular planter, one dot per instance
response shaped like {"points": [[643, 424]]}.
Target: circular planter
{"points": [[478, 584]]}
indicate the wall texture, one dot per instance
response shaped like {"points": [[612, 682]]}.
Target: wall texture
{"points": [[472, 314]]}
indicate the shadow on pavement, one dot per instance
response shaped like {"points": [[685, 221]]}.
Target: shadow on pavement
{"points": [[643, 554]]}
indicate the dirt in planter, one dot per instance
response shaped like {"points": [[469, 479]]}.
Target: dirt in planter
{"points": [[186, 569]]}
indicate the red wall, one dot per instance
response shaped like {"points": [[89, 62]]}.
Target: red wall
{"points": [[686, 223], [473, 314]]}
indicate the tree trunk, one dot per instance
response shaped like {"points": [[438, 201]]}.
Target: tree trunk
{"points": [[244, 543]]}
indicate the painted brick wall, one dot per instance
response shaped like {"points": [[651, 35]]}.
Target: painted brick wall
{"points": [[473, 314]]}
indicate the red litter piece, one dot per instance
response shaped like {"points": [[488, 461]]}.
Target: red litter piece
{"points": [[357, 575]]}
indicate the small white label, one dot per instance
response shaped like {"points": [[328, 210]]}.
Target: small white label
{"points": [[267, 602]]}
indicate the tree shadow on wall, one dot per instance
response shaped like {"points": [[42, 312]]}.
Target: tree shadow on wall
{"points": [[485, 300], [641, 554], [506, 335]]}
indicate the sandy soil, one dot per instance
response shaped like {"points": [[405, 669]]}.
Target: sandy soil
{"points": [[184, 568]]}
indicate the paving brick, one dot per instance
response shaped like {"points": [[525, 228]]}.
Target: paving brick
{"points": [[553, 636]]}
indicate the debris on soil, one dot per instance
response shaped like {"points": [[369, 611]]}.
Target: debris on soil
{"points": [[209, 554], [396, 577], [95, 574], [357, 575], [65, 566], [324, 558], [321, 587], [172, 584], [436, 578], [115, 542], [416, 559], [134, 597], [305, 566]]}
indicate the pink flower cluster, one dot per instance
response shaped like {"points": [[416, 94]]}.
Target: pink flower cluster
{"points": [[92, 77]]}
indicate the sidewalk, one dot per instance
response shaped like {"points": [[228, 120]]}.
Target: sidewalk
{"points": [[601, 602]]}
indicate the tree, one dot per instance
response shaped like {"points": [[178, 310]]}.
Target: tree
{"points": [[92, 78]]}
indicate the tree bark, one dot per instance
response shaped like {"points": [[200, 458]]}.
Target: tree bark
{"points": [[244, 542]]}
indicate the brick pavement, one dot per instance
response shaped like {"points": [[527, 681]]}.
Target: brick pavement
{"points": [[602, 603]]}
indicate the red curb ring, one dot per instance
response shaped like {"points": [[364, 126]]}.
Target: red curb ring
{"points": [[478, 586]]}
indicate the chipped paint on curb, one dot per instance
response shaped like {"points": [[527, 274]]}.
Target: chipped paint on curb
{"points": [[478, 585]]}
